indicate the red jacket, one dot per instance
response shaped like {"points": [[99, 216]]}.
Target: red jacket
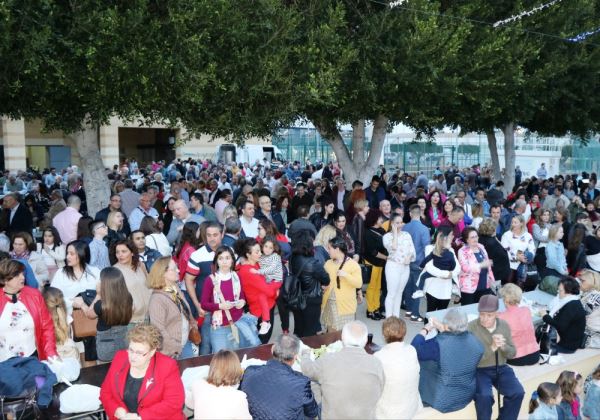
{"points": [[255, 285], [161, 394], [45, 340]]}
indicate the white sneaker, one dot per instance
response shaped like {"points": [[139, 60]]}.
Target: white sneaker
{"points": [[264, 328], [418, 294]]}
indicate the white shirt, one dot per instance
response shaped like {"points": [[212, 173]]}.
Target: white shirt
{"points": [[13, 211], [72, 288], [249, 228], [340, 199], [17, 331]]}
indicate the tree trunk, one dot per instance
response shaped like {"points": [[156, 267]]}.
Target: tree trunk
{"points": [[358, 142], [509, 156], [355, 170], [493, 145], [97, 189]]}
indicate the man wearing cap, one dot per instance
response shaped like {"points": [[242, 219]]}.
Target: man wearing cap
{"points": [[492, 371]]}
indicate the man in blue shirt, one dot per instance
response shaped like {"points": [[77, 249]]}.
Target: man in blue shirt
{"points": [[421, 237]]}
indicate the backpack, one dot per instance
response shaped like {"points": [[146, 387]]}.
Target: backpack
{"points": [[291, 292]]}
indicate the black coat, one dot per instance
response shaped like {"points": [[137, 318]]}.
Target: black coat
{"points": [[22, 221], [374, 245], [498, 255], [569, 322], [311, 273]]}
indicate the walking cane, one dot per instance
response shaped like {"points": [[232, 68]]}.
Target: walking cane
{"points": [[498, 383]]}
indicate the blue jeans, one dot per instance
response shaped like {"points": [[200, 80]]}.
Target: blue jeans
{"points": [[187, 351], [247, 331], [221, 338], [411, 304], [205, 332], [507, 384]]}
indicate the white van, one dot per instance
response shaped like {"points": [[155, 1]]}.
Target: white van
{"points": [[250, 153]]}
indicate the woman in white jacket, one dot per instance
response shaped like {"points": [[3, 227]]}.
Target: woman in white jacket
{"points": [[53, 252], [400, 398], [23, 247]]}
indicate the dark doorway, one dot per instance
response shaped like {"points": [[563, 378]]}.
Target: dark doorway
{"points": [[146, 144]]}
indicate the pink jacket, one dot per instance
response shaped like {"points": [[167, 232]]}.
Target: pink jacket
{"points": [[469, 270], [521, 328]]}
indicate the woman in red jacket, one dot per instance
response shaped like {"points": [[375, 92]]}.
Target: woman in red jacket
{"points": [[26, 327], [143, 383], [254, 285]]}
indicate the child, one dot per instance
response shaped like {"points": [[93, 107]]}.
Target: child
{"points": [[55, 303], [272, 268], [571, 386], [591, 407], [544, 401], [98, 249], [442, 258]]}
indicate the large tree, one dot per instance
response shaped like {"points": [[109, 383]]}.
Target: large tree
{"points": [[522, 74]]}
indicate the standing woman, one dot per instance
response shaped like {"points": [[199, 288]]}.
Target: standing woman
{"points": [[113, 308], [339, 302], [339, 222], [401, 252], [168, 217], [519, 244], [435, 209], [189, 242], [476, 277], [438, 287], [254, 284], [155, 239], [281, 206], [23, 247], [540, 233], [127, 260], [375, 255], [223, 296], [115, 224], [53, 251], [169, 311], [325, 216], [357, 228], [26, 328], [312, 277]]}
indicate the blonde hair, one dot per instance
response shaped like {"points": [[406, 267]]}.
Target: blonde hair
{"points": [[511, 294], [146, 334], [326, 234], [360, 205], [225, 369], [55, 302], [110, 220], [488, 227], [593, 276], [230, 211], [553, 231], [477, 210], [156, 277]]}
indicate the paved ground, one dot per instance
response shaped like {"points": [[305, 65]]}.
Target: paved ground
{"points": [[374, 326]]}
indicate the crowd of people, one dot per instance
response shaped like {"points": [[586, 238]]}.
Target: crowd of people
{"points": [[190, 257]]}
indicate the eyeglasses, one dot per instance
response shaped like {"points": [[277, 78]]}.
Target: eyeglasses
{"points": [[138, 353], [100, 227]]}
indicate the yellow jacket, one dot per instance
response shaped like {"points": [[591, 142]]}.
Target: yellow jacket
{"points": [[345, 296]]}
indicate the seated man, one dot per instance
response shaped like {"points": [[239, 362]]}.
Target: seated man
{"points": [[351, 380], [495, 335], [275, 390]]}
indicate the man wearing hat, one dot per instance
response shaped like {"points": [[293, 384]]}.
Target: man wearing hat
{"points": [[492, 370]]}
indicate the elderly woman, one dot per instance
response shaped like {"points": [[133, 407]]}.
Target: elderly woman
{"points": [[400, 398], [143, 383], [448, 362], [590, 288], [218, 396], [476, 277], [521, 327], [567, 316], [495, 250], [26, 327], [321, 243]]}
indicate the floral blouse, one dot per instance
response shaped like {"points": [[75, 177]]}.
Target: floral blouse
{"points": [[17, 332], [405, 249]]}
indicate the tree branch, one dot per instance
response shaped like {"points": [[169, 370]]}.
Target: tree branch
{"points": [[377, 139], [329, 131]]}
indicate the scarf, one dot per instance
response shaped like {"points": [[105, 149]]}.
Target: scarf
{"points": [[175, 296], [557, 303], [23, 256], [217, 278]]}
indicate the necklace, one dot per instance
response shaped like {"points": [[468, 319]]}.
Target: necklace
{"points": [[14, 296]]}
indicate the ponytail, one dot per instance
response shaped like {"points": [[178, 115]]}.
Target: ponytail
{"points": [[545, 392]]}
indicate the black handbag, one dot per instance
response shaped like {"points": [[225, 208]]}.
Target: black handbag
{"points": [[546, 337], [365, 271]]}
